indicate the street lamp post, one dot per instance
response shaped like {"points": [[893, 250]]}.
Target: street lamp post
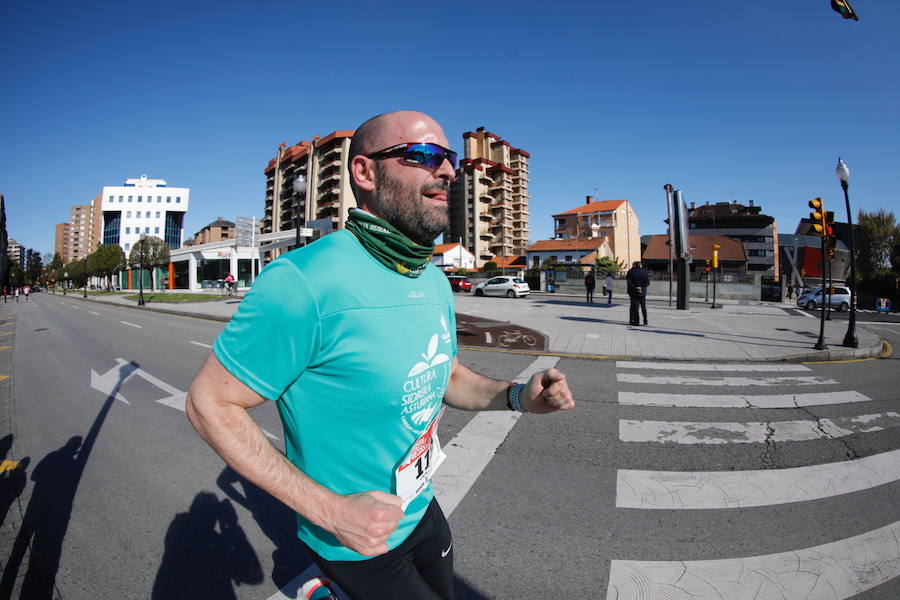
{"points": [[300, 190], [141, 273], [65, 281], [843, 173], [85, 277]]}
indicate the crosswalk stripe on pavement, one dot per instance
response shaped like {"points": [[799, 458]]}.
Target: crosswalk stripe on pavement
{"points": [[740, 400], [722, 381], [716, 367]]}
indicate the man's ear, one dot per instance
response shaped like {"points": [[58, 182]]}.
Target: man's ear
{"points": [[362, 169]]}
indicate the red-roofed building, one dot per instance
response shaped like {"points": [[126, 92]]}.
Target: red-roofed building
{"points": [[325, 196], [489, 200], [614, 220], [450, 257], [573, 252]]}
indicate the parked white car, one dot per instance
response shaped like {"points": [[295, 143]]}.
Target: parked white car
{"points": [[503, 285], [812, 299]]}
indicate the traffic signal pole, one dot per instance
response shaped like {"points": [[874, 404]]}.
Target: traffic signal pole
{"points": [[820, 344]]}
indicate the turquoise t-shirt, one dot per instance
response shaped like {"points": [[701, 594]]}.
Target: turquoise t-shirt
{"points": [[357, 357]]}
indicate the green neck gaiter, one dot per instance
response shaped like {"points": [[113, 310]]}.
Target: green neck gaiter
{"points": [[388, 244]]}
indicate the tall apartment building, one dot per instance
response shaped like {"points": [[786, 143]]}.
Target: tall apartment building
{"points": [[746, 224], [614, 220], [489, 200], [218, 230], [81, 235], [16, 253], [143, 207], [324, 196]]}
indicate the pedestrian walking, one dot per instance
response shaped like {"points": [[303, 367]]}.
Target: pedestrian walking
{"points": [[638, 281], [360, 404], [16, 294], [608, 287], [589, 284], [790, 291]]}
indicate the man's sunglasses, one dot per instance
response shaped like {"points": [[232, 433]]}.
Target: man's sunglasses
{"points": [[431, 156]]}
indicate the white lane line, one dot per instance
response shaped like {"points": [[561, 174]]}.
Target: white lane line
{"points": [[692, 490], [806, 314], [722, 381], [722, 368], [131, 324], [836, 570], [740, 400], [474, 446], [200, 344], [94, 313], [668, 432]]}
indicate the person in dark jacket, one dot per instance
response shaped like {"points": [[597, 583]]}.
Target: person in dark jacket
{"points": [[589, 284], [638, 281]]}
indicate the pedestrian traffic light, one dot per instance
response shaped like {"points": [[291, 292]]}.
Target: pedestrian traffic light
{"points": [[829, 224], [707, 265], [843, 7], [817, 215], [715, 259]]}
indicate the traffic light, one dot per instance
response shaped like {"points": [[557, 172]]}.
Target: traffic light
{"points": [[818, 217], [830, 245], [707, 265], [829, 224], [715, 260], [843, 7]]}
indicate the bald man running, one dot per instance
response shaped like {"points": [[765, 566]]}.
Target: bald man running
{"points": [[354, 338]]}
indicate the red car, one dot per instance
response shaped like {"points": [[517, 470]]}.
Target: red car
{"points": [[458, 283]]}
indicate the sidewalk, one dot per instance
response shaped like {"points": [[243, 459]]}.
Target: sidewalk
{"points": [[740, 331]]}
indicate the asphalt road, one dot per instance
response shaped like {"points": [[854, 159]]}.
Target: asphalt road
{"points": [[132, 504]]}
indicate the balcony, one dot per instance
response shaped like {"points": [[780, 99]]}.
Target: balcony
{"points": [[485, 216]]}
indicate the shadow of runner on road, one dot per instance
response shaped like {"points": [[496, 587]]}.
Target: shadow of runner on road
{"points": [[13, 479], [276, 521], [46, 520], [206, 554]]}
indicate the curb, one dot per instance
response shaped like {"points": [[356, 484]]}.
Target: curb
{"points": [[165, 311]]}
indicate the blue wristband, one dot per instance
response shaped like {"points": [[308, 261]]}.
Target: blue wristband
{"points": [[512, 397]]}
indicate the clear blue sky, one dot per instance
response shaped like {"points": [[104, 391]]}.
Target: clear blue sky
{"points": [[724, 100]]}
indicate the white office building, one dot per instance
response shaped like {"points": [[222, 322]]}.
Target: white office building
{"points": [[144, 206]]}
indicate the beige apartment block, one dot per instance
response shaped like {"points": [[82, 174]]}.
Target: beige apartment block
{"points": [[218, 230], [614, 220], [81, 235], [324, 198], [489, 200]]}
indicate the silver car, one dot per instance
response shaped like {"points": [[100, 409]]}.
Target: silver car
{"points": [[812, 299], [503, 285]]}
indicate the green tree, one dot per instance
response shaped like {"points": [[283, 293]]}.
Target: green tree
{"points": [[605, 264], [150, 251], [877, 234], [106, 261], [489, 268], [34, 266]]}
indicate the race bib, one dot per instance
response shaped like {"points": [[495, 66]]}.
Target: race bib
{"points": [[419, 465]]}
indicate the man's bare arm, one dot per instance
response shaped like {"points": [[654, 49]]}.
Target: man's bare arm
{"points": [[217, 405], [545, 392]]}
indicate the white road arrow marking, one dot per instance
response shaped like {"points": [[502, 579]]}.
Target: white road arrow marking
{"points": [[125, 370]]}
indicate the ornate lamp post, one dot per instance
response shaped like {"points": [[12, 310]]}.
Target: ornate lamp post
{"points": [[141, 273], [299, 186], [843, 174]]}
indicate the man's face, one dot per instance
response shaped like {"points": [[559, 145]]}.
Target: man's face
{"points": [[411, 197]]}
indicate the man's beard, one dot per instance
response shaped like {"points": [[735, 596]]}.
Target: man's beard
{"points": [[403, 207]]}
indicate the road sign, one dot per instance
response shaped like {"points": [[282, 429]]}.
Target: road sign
{"points": [[883, 304]]}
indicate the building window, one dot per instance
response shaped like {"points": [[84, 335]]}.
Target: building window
{"points": [[146, 230], [128, 214], [568, 259], [177, 199], [158, 199], [147, 214], [121, 199], [127, 230], [127, 247], [156, 230], [140, 198], [169, 199], [157, 214], [129, 198]]}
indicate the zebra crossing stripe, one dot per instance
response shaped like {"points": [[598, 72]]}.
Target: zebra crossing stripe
{"points": [[694, 490], [740, 400], [722, 381], [720, 368], [836, 570], [474, 446], [759, 432]]}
